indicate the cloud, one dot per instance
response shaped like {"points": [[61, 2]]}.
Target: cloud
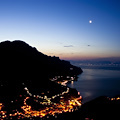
{"points": [[69, 46]]}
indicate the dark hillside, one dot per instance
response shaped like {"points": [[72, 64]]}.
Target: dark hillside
{"points": [[21, 63]]}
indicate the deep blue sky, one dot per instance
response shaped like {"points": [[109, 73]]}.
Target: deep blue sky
{"points": [[62, 28]]}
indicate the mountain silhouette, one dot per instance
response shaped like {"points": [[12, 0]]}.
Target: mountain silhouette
{"points": [[22, 64]]}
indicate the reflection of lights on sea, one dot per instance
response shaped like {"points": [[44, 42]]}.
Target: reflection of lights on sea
{"points": [[72, 82]]}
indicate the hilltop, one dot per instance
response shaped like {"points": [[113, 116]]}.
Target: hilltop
{"points": [[21, 63]]}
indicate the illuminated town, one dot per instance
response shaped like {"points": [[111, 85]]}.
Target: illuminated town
{"points": [[42, 106]]}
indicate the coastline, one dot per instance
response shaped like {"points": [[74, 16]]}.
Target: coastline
{"points": [[93, 83], [50, 99]]}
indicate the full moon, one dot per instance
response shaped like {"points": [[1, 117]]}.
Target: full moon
{"points": [[90, 21]]}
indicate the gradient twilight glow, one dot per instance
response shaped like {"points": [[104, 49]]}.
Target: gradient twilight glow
{"points": [[63, 27]]}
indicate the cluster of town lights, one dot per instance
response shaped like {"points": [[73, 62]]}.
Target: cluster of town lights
{"points": [[50, 108], [112, 99]]}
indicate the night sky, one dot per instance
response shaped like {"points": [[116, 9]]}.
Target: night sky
{"points": [[70, 29]]}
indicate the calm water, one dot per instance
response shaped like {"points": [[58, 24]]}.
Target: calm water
{"points": [[93, 83]]}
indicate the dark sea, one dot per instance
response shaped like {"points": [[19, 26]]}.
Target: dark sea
{"points": [[96, 82]]}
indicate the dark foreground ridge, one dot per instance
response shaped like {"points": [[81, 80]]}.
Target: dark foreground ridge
{"points": [[101, 108]]}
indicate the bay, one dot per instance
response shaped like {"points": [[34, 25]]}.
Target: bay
{"points": [[93, 83]]}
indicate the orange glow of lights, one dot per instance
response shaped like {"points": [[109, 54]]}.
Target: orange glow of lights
{"points": [[49, 109]]}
